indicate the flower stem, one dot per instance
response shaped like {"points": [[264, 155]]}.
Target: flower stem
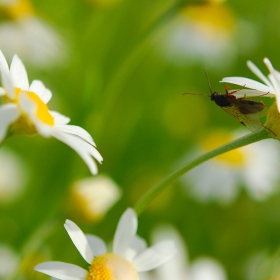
{"points": [[161, 186]]}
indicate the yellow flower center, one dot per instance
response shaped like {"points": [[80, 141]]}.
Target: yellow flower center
{"points": [[42, 111], [17, 9], [111, 267], [211, 18], [219, 138]]}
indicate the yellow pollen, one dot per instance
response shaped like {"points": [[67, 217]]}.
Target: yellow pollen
{"points": [[42, 112], [111, 267], [219, 138]]}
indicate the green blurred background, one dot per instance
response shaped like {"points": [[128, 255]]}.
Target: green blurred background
{"points": [[118, 74]]}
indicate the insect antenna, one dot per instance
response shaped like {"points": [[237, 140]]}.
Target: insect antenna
{"points": [[195, 93], [208, 80]]}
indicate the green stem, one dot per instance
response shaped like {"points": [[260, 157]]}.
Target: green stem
{"points": [[161, 186]]}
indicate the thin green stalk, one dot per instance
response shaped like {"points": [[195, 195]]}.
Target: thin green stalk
{"points": [[161, 186]]}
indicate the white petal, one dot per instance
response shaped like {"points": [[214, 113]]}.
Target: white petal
{"points": [[78, 131], [250, 93], [7, 82], [18, 74], [63, 271], [59, 119], [207, 269], [8, 114], [258, 73], [248, 83], [97, 245], [79, 240], [3, 62], [268, 65], [137, 246], [155, 256], [85, 150], [2, 91], [125, 232], [39, 88]]}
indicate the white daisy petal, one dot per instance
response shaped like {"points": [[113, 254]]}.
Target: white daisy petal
{"points": [[84, 150], [154, 256], [39, 88], [250, 93], [8, 114], [79, 240], [97, 245], [248, 83], [77, 131], [268, 65], [18, 74], [59, 118], [125, 232], [63, 271], [258, 73], [2, 91], [137, 246], [3, 62], [7, 82]]}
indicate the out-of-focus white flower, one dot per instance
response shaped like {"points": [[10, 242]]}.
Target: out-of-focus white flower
{"points": [[30, 37], [93, 197], [9, 260], [129, 255], [254, 166], [25, 111], [179, 267], [13, 175], [205, 34]]}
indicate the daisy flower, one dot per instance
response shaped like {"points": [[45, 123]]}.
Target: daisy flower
{"points": [[269, 88], [254, 166], [129, 255], [206, 34], [91, 198], [18, 28], [180, 267], [25, 111]]}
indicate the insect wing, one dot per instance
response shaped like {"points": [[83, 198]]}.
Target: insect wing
{"points": [[251, 121]]}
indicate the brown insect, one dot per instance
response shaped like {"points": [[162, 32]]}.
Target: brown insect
{"points": [[245, 111]]}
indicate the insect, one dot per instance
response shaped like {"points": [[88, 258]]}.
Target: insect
{"points": [[245, 111]]}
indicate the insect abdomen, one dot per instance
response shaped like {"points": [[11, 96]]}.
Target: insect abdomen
{"points": [[250, 107]]}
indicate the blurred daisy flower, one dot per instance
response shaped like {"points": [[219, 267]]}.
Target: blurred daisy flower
{"points": [[25, 111], [9, 260], [129, 255], [206, 34], [92, 197], [19, 27], [11, 186], [254, 166], [179, 267]]}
